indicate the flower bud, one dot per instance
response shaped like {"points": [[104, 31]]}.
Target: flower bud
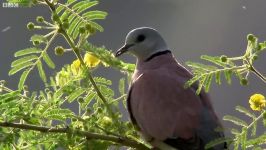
{"points": [[243, 81], [80, 100], [251, 38], [59, 51], [30, 26], [40, 19], [223, 58], [36, 43]]}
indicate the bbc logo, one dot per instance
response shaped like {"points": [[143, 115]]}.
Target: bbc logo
{"points": [[10, 5]]}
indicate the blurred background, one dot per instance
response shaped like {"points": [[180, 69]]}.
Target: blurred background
{"points": [[190, 27]]}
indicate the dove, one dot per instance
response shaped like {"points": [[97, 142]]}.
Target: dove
{"points": [[167, 115]]}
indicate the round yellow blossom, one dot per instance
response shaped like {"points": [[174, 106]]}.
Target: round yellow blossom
{"points": [[75, 67], [257, 102], [90, 60]]}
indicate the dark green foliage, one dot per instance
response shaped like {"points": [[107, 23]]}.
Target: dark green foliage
{"points": [[28, 60], [30, 26], [78, 17]]}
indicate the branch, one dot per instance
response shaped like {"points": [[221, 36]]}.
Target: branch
{"points": [[88, 135]]}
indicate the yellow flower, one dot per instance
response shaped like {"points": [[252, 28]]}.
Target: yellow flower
{"points": [[90, 60], [75, 67], [257, 102]]}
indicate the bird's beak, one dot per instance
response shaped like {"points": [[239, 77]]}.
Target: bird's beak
{"points": [[123, 49]]}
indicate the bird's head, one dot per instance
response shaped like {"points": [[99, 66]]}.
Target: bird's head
{"points": [[142, 43]]}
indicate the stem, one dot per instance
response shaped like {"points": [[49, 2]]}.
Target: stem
{"points": [[236, 58], [88, 135], [44, 50], [43, 27], [255, 71], [255, 120], [118, 99]]}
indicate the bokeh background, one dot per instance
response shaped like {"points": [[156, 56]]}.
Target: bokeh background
{"points": [[190, 27]]}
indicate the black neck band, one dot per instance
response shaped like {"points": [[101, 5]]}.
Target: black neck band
{"points": [[157, 54]]}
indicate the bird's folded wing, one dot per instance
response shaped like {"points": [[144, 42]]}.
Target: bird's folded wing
{"points": [[162, 108]]}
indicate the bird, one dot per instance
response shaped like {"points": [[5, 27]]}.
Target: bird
{"points": [[167, 115]]}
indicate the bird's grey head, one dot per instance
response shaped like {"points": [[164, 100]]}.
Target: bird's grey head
{"points": [[142, 43]]}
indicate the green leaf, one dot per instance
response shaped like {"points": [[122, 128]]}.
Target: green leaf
{"points": [[41, 71], [264, 119], [78, 4], [76, 31], [191, 81], [59, 9], [87, 100], [48, 60], [101, 80], [73, 26], [92, 15], [107, 91], [214, 59], [228, 74], [207, 82], [122, 86], [85, 6], [217, 141], [27, 51], [9, 95], [235, 120], [58, 114], [218, 77], [245, 111], [236, 144], [254, 129], [244, 138], [96, 26], [75, 94], [23, 78], [257, 141], [201, 84], [39, 38], [23, 60], [80, 7], [20, 67], [200, 66], [235, 131]]}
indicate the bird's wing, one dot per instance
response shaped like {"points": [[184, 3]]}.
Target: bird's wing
{"points": [[162, 108]]}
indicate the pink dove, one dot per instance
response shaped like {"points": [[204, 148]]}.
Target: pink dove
{"points": [[167, 115]]}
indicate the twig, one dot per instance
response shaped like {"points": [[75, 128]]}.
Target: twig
{"points": [[88, 135], [254, 70]]}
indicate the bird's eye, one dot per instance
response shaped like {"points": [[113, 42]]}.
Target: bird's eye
{"points": [[141, 38]]}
